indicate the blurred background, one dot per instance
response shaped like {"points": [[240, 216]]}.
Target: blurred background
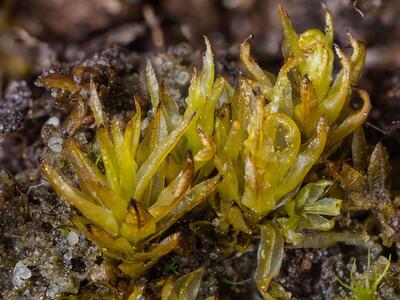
{"points": [[63, 27], [38, 34]]}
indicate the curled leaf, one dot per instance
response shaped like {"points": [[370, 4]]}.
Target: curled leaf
{"points": [[255, 70], [356, 119], [304, 161]]}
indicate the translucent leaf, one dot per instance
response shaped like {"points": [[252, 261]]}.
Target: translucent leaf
{"points": [[304, 161], [357, 59], [307, 112], [136, 123], [338, 94], [96, 106], [206, 119], [241, 106], [115, 247], [328, 25], [277, 292], [97, 214], [138, 265], [281, 100], [152, 85], [325, 206], [378, 172], [269, 257], [187, 287], [126, 163], [106, 197], [220, 134], [353, 121], [270, 151], [207, 152], [359, 149], [162, 248], [170, 108], [174, 192], [236, 219], [290, 46], [228, 189], [233, 142], [192, 198], [319, 222], [310, 208], [167, 288], [82, 164], [59, 81], [254, 69], [318, 63], [202, 99], [149, 167], [150, 137], [138, 223], [137, 293], [207, 74], [328, 239], [310, 193], [76, 117], [109, 159]]}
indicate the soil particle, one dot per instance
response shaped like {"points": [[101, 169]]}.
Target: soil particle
{"points": [[34, 241], [173, 67], [13, 108], [310, 273]]}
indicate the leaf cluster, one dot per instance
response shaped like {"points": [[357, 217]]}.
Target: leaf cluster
{"points": [[246, 150]]}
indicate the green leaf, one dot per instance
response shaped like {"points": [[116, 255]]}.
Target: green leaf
{"points": [[187, 287], [152, 85], [269, 257], [149, 167]]}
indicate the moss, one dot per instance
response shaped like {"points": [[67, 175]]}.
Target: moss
{"points": [[231, 166], [366, 287]]}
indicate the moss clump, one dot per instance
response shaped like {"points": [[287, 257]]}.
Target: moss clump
{"points": [[366, 286], [245, 151]]}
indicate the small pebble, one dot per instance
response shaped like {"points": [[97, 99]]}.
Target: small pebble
{"points": [[21, 273], [55, 121], [213, 255], [306, 264], [72, 238], [215, 222], [182, 78], [55, 144]]}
